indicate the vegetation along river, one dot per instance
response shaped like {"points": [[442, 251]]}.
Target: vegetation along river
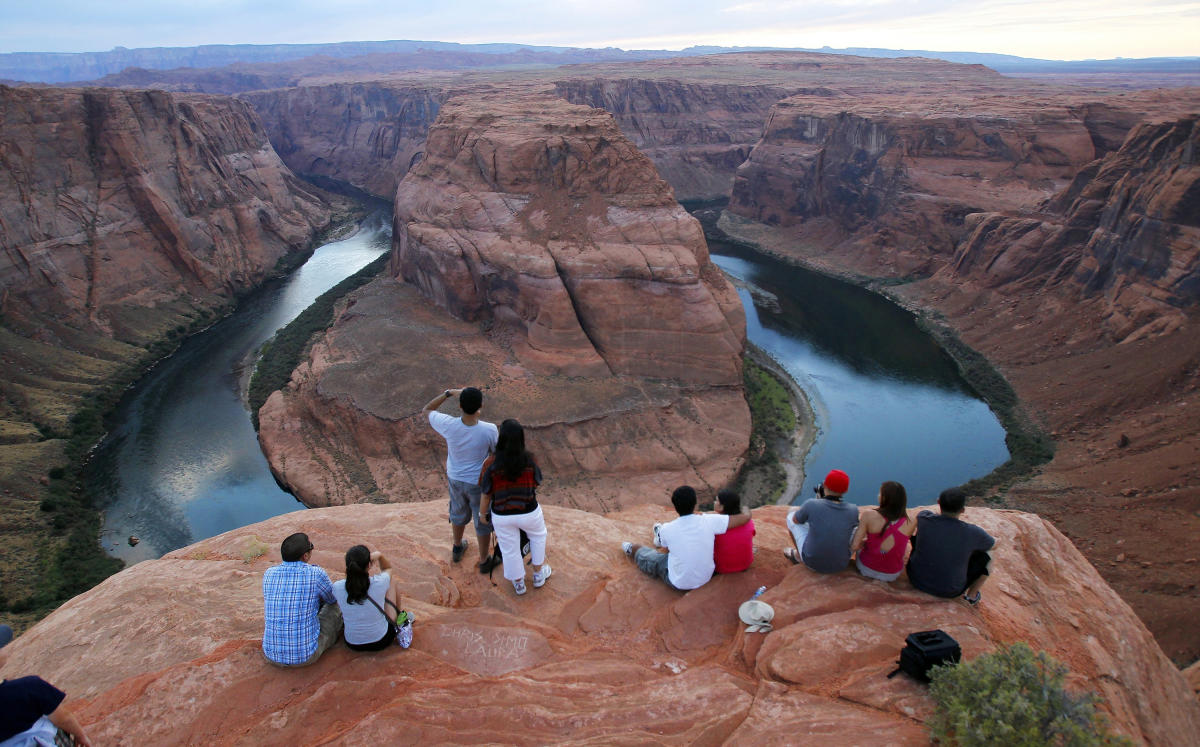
{"points": [[181, 461]]}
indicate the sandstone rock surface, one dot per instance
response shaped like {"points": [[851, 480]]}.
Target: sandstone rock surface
{"points": [[169, 649], [540, 217], [566, 281]]}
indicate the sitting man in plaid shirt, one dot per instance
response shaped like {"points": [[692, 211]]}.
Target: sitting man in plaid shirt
{"points": [[297, 629]]}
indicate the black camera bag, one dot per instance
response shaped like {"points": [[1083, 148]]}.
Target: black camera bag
{"points": [[925, 650]]}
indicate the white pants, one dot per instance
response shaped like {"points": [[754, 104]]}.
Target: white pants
{"points": [[508, 534]]}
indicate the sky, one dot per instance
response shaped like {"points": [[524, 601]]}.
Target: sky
{"points": [[1061, 30]]}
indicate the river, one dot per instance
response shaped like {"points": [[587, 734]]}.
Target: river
{"points": [[181, 461], [889, 403]]}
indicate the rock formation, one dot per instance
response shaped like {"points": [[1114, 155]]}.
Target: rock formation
{"points": [[119, 201], [697, 133], [366, 134], [549, 263], [540, 217], [890, 177], [169, 649], [1127, 229], [127, 216]]}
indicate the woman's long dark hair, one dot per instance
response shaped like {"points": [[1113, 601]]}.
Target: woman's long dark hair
{"points": [[511, 457], [358, 559], [893, 501], [730, 502]]}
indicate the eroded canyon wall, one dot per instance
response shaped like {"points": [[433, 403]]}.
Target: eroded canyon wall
{"points": [[1124, 233], [543, 259], [696, 133], [367, 134], [122, 200], [127, 217]]}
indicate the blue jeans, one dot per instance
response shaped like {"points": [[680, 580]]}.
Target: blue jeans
{"points": [[653, 563]]}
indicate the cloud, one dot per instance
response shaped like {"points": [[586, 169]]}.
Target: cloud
{"points": [[1064, 29]]}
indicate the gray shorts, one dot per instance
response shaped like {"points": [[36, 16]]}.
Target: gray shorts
{"points": [[464, 506], [653, 563]]}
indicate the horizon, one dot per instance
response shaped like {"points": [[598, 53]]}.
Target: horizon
{"points": [[1073, 30]]}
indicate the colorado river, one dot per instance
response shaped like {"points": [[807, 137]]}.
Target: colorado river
{"points": [[889, 403], [182, 460]]}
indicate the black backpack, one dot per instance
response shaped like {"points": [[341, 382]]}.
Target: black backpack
{"points": [[925, 650]]}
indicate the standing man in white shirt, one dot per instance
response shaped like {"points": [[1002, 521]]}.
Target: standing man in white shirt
{"points": [[688, 541], [469, 440]]}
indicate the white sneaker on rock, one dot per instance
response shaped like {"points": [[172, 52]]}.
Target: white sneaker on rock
{"points": [[519, 586], [539, 577], [628, 548]]}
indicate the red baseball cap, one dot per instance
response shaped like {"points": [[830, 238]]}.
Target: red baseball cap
{"points": [[837, 482]]}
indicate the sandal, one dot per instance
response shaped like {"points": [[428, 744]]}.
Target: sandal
{"points": [[791, 554]]}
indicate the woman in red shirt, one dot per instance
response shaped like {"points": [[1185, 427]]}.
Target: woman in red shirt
{"points": [[733, 551], [882, 535]]}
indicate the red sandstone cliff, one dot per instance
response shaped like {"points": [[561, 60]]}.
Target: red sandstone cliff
{"points": [[126, 216], [696, 132], [548, 263], [889, 177], [367, 134], [1126, 232], [168, 650], [121, 200]]}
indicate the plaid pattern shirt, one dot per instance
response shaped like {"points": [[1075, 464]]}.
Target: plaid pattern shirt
{"points": [[292, 596]]}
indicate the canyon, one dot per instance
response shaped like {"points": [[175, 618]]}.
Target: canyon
{"points": [[128, 218], [539, 251], [170, 648], [897, 174], [538, 255]]}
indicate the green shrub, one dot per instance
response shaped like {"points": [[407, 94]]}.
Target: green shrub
{"points": [[1015, 697]]}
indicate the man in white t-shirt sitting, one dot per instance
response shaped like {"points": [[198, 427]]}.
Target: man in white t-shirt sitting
{"points": [[469, 440], [687, 562]]}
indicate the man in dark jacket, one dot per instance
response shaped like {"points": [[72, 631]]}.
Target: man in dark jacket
{"points": [[32, 709], [950, 557]]}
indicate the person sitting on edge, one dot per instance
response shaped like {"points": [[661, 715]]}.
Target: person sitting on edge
{"points": [[733, 552], [823, 527], [32, 711], [950, 557], [881, 539], [469, 440], [509, 482], [363, 600], [688, 541], [297, 629]]}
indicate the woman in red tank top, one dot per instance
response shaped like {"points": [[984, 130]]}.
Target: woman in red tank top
{"points": [[881, 539]]}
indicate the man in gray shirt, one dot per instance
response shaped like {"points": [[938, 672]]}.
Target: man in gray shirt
{"points": [[824, 526]]}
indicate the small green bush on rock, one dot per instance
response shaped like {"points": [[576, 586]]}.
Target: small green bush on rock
{"points": [[1014, 696]]}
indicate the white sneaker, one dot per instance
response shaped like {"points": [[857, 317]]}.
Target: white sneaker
{"points": [[628, 548], [519, 586], [539, 577], [657, 539]]}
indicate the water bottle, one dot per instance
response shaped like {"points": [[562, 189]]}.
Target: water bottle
{"points": [[759, 593]]}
